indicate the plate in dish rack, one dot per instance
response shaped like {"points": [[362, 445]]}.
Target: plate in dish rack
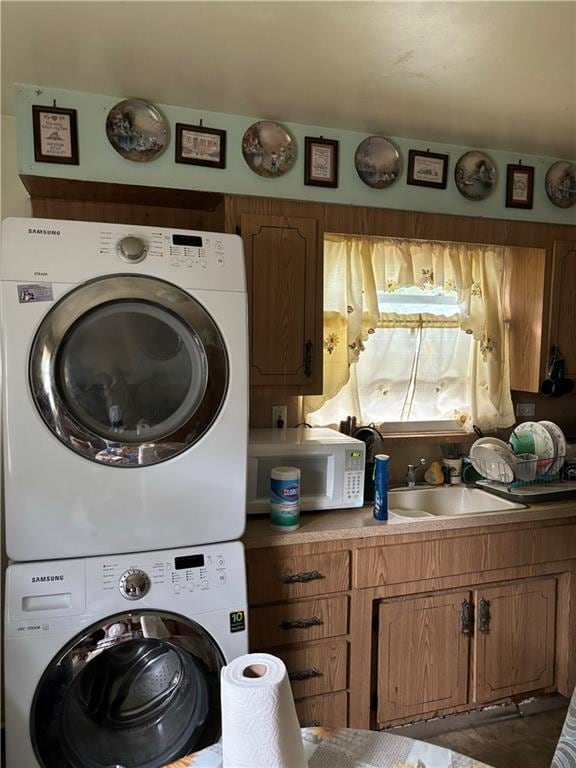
{"points": [[493, 460], [559, 444], [543, 443]]}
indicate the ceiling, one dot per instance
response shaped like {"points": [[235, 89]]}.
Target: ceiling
{"points": [[482, 74]]}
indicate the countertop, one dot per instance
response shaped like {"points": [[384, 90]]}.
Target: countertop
{"points": [[339, 524]]}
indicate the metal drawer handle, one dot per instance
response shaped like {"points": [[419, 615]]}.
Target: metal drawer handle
{"points": [[466, 618], [305, 674], [308, 359], [311, 621], [484, 616], [310, 724], [304, 576]]}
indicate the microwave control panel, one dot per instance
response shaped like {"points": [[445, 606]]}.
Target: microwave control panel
{"points": [[354, 477]]}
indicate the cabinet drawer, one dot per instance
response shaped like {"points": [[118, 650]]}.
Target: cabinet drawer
{"points": [[298, 622], [291, 578], [329, 711], [316, 669]]}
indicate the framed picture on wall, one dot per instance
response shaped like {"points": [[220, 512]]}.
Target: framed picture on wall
{"points": [[196, 145], [427, 169], [320, 162], [55, 133], [519, 186]]}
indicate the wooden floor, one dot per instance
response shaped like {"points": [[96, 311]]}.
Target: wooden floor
{"points": [[519, 742]]}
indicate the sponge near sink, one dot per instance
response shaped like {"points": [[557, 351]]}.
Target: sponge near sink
{"points": [[434, 474]]}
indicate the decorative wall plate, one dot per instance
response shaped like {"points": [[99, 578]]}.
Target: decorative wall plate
{"points": [[475, 175], [268, 149], [137, 130], [377, 162], [561, 184]]}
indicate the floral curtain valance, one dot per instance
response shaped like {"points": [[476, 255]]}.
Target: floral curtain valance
{"points": [[357, 270]]}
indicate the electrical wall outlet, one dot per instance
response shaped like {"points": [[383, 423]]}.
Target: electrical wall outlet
{"points": [[279, 416], [526, 409]]}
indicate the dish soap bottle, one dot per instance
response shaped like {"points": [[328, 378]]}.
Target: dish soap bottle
{"points": [[434, 474]]}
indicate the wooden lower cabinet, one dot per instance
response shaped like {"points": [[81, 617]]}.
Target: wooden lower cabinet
{"points": [[443, 651], [422, 656], [514, 643], [330, 711]]}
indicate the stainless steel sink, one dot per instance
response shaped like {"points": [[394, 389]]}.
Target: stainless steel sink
{"points": [[445, 501]]}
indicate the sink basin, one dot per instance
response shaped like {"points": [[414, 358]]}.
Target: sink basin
{"points": [[445, 501]]}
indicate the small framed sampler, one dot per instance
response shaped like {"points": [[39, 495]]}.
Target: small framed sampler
{"points": [[320, 162], [519, 186], [427, 169], [196, 145], [55, 135]]}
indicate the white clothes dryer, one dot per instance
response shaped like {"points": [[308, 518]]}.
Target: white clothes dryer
{"points": [[125, 388], [115, 661]]}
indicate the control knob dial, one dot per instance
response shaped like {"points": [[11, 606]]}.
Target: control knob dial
{"points": [[134, 584], [132, 249]]}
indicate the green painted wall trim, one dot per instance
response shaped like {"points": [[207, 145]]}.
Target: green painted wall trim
{"points": [[100, 162]]}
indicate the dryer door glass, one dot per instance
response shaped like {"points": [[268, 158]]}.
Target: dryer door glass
{"points": [[139, 690], [128, 370]]}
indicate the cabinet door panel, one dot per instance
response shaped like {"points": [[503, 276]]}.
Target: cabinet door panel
{"points": [[283, 271], [422, 656], [516, 654], [563, 297]]}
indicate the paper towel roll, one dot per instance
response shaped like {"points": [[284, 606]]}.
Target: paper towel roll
{"points": [[259, 724]]}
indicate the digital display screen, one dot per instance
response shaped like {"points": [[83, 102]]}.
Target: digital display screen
{"points": [[355, 454], [188, 561], [192, 240]]}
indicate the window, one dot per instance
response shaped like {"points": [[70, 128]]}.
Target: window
{"points": [[414, 336]]}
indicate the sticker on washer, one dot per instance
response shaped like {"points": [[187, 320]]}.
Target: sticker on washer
{"points": [[35, 292], [237, 621]]}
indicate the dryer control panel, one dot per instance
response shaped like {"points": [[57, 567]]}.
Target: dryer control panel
{"points": [[51, 251]]}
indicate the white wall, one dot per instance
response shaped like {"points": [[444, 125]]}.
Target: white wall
{"points": [[14, 200]]}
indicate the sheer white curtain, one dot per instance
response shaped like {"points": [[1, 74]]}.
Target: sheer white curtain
{"points": [[413, 362]]}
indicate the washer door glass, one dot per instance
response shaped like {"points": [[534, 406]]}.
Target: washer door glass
{"points": [[128, 370], [139, 690]]}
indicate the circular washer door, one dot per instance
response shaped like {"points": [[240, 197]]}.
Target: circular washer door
{"points": [[137, 690], [128, 370]]}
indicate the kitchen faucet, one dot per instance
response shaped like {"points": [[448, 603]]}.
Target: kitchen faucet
{"points": [[411, 472]]}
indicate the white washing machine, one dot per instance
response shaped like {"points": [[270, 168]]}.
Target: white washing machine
{"points": [[125, 388], [115, 661]]}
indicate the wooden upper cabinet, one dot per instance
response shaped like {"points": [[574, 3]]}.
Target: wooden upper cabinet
{"points": [[284, 274], [562, 302], [514, 641], [422, 656]]}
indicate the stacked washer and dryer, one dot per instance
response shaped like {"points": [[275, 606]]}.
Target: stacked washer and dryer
{"points": [[125, 405]]}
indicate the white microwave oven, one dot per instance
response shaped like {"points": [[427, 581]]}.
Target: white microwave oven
{"points": [[331, 466]]}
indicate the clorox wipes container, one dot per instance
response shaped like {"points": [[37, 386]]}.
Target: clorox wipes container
{"points": [[285, 498]]}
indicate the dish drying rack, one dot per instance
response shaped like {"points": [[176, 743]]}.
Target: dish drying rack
{"points": [[528, 480]]}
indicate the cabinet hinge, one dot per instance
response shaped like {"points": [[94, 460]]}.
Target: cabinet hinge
{"points": [[374, 701], [238, 230]]}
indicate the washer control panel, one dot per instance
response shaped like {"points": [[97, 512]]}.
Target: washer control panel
{"points": [[134, 584], [181, 575]]}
